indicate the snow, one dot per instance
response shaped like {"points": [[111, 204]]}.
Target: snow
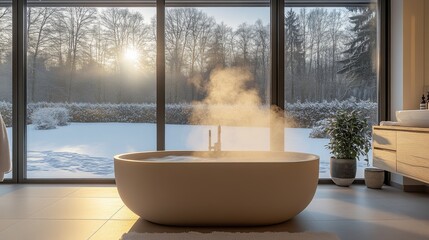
{"points": [[86, 150]]}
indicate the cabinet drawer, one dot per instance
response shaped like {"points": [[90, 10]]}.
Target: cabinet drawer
{"points": [[384, 159], [416, 171], [413, 155], [384, 139]]}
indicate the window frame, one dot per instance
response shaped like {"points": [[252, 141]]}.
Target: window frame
{"points": [[19, 9]]}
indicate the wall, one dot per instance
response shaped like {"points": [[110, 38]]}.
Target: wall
{"points": [[409, 70], [413, 27], [426, 42], [407, 63], [397, 58]]}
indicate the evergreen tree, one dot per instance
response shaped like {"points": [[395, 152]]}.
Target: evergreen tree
{"points": [[360, 62], [294, 53]]}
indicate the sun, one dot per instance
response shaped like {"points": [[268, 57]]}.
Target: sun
{"points": [[131, 55]]}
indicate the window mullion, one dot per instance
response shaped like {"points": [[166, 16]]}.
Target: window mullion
{"points": [[19, 88]]}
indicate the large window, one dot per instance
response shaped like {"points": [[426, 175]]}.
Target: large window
{"points": [[330, 65], [91, 88], [217, 73], [6, 69], [93, 81]]}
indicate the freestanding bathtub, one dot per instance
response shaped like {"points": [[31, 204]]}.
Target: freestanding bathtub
{"points": [[222, 189]]}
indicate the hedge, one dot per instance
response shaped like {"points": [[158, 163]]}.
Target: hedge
{"points": [[304, 115]]}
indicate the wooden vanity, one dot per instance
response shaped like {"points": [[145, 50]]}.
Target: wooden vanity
{"points": [[402, 150]]}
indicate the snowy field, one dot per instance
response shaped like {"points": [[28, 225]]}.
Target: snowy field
{"points": [[86, 150]]}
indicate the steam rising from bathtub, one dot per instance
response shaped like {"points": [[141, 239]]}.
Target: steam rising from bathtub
{"points": [[233, 101]]}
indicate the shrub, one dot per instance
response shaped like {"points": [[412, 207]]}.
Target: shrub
{"points": [[300, 115], [44, 119], [6, 113], [308, 114], [50, 118], [61, 114], [319, 130]]}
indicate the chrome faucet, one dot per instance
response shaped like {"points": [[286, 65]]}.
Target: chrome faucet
{"points": [[217, 146]]}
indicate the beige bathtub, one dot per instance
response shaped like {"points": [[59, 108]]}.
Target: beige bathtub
{"points": [[239, 189]]}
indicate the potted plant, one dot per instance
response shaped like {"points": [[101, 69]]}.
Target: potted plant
{"points": [[349, 134]]}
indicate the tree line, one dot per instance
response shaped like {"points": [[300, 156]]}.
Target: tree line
{"points": [[84, 54]]}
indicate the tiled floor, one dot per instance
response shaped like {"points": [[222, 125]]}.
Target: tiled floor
{"points": [[63, 212]]}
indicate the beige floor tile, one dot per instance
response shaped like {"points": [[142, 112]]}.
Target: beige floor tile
{"points": [[18, 207], [362, 193], [113, 229], [49, 191], [125, 214], [5, 223], [96, 192], [52, 230], [81, 208], [7, 188], [340, 209], [406, 227], [386, 229], [351, 213]]}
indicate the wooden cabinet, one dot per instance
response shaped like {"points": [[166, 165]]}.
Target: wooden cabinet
{"points": [[384, 159], [413, 155], [384, 139], [402, 150]]}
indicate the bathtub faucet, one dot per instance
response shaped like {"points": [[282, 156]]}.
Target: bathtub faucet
{"points": [[217, 146]]}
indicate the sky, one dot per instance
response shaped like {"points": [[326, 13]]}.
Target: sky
{"points": [[231, 16], [234, 16]]}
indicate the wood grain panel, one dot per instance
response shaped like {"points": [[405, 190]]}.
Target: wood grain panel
{"points": [[413, 155], [384, 159], [413, 171], [384, 139]]}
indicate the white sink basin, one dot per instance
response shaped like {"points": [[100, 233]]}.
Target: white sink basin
{"points": [[413, 118]]}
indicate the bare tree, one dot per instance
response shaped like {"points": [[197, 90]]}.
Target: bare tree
{"points": [[262, 53], [177, 32], [244, 36], [219, 53], [5, 33], [6, 54], [201, 28], [39, 31], [124, 30], [73, 24]]}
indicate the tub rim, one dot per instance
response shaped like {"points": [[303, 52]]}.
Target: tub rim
{"points": [[303, 157]]}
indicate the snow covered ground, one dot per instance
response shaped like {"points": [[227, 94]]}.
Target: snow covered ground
{"points": [[86, 150]]}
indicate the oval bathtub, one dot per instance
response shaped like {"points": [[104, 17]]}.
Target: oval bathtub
{"points": [[222, 189]]}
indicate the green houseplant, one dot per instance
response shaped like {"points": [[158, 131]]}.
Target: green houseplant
{"points": [[349, 134]]}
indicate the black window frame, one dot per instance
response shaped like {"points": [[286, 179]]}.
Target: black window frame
{"points": [[19, 8]]}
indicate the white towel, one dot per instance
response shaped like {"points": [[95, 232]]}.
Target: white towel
{"points": [[5, 161], [389, 123]]}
